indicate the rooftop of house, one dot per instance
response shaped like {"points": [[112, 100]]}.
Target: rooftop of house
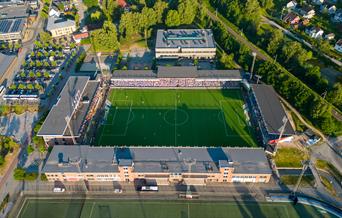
{"points": [[185, 38], [59, 22]]}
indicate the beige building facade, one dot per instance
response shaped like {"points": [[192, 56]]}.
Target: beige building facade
{"points": [[163, 165]]}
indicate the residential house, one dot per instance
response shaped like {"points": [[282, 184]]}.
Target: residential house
{"points": [[338, 16], [291, 18], [291, 4], [329, 36], [307, 11], [79, 36], [332, 10], [338, 46], [54, 12], [317, 2], [60, 26], [315, 32]]}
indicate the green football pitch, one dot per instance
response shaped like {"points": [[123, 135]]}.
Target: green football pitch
{"points": [[44, 208], [175, 118]]}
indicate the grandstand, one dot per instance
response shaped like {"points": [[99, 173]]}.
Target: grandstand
{"points": [[173, 77], [268, 113]]}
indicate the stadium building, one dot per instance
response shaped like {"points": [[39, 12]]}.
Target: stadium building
{"points": [[269, 114], [70, 115], [185, 43], [179, 76], [163, 165]]}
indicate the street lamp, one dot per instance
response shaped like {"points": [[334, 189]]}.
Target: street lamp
{"points": [[252, 68]]}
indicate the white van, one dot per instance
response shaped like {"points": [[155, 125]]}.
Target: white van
{"points": [[57, 189]]}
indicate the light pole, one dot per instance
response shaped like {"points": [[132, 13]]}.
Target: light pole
{"points": [[252, 67], [282, 129]]}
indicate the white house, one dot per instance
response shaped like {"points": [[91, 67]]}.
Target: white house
{"points": [[332, 10], [317, 2], [307, 12], [54, 13], [338, 46], [329, 36], [291, 5], [315, 32]]}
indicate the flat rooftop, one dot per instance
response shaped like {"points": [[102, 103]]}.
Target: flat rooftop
{"points": [[14, 11], [73, 102], [177, 72], [156, 159], [11, 25], [57, 23], [271, 109], [185, 38]]}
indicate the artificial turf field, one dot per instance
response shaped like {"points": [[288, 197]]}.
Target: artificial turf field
{"points": [[43, 208], [175, 118]]}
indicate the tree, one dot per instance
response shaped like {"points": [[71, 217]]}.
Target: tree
{"points": [[31, 74], [90, 3], [38, 86], [46, 75], [13, 86], [108, 7], [148, 19], [105, 39], [159, 8], [29, 86], [335, 95], [276, 39], [45, 37], [227, 61], [187, 10], [21, 86], [19, 174], [30, 149], [172, 18], [38, 74]]}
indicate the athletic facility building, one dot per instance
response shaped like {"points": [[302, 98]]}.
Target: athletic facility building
{"points": [[70, 115], [177, 76], [185, 43], [269, 114], [163, 165]]}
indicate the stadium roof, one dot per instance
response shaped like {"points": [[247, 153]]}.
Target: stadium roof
{"points": [[177, 72], [5, 62], [57, 23], [124, 74], [70, 104], [11, 25], [156, 159], [185, 38], [271, 109]]}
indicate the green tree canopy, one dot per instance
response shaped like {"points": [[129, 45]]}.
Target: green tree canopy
{"points": [[105, 39], [172, 19]]}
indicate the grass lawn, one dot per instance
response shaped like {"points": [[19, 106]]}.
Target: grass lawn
{"points": [[328, 185], [292, 180], [290, 157], [175, 118], [325, 165], [71, 208]]}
